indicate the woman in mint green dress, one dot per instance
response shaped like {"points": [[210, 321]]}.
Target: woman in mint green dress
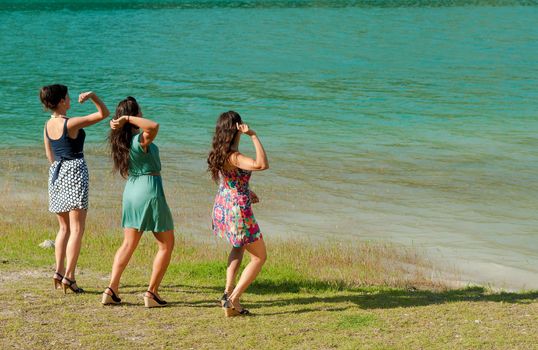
{"points": [[144, 206]]}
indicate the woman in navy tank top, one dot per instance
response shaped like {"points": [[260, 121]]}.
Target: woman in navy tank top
{"points": [[68, 176]]}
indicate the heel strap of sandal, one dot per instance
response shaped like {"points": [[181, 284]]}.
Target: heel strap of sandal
{"points": [[156, 298], [70, 282], [58, 274], [112, 291], [228, 304], [114, 296], [153, 295]]}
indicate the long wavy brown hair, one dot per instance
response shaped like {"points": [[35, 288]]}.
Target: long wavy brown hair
{"points": [[225, 132], [120, 140]]}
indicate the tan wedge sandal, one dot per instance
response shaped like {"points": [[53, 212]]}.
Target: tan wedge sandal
{"points": [[110, 299], [231, 311], [153, 301]]}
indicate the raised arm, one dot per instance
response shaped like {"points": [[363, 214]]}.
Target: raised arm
{"points": [[48, 150], [149, 127], [90, 119], [243, 162]]}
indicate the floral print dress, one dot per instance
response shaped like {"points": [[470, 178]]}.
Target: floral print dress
{"points": [[233, 218]]}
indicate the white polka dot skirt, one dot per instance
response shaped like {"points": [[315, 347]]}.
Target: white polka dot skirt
{"points": [[70, 190]]}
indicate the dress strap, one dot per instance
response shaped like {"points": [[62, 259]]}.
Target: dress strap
{"points": [[46, 131], [65, 133]]}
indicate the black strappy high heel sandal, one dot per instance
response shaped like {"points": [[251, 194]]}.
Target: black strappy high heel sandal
{"points": [[69, 285], [231, 311], [223, 299], [153, 301], [110, 299], [57, 279]]}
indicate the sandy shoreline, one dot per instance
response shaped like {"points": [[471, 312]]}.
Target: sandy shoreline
{"points": [[23, 183]]}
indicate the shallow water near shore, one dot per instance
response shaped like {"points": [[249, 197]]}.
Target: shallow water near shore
{"points": [[412, 124]]}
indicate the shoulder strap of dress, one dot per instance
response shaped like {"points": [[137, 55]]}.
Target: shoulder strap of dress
{"points": [[46, 130], [65, 128]]}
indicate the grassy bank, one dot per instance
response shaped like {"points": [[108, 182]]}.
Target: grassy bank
{"points": [[308, 296]]}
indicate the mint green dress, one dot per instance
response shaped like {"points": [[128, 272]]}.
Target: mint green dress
{"points": [[144, 203]]}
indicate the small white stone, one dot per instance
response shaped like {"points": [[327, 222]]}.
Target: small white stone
{"points": [[477, 321], [48, 243]]}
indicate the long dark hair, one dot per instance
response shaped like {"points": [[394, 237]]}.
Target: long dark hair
{"points": [[120, 140], [51, 95], [225, 132]]}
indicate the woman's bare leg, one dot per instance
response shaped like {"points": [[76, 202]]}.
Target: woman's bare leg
{"points": [[258, 256], [234, 263], [77, 223], [165, 240], [60, 243], [131, 238]]}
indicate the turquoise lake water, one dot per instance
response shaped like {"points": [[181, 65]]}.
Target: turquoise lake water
{"points": [[386, 121]]}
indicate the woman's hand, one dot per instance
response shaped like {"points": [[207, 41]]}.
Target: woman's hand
{"points": [[85, 96], [254, 198], [247, 163], [244, 129], [116, 124]]}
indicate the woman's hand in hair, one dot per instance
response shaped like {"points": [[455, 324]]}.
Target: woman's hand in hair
{"points": [[244, 129], [116, 124], [83, 97], [246, 163]]}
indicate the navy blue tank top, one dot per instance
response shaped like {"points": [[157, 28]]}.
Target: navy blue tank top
{"points": [[66, 148]]}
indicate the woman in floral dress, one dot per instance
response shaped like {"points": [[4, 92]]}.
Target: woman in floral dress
{"points": [[233, 218]]}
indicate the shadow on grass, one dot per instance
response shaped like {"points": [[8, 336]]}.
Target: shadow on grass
{"points": [[380, 298], [201, 303], [271, 286], [337, 295], [183, 288], [123, 304], [340, 298]]}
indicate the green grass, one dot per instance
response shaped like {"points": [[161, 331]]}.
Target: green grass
{"points": [[356, 321], [295, 306]]}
